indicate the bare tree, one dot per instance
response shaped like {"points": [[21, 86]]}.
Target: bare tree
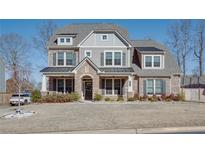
{"points": [[174, 41], [44, 32], [199, 45], [180, 41], [14, 50]]}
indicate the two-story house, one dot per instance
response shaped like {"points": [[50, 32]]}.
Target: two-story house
{"points": [[100, 58]]}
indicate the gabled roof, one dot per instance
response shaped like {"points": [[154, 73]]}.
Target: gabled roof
{"points": [[170, 65], [80, 31], [149, 50], [83, 61]]}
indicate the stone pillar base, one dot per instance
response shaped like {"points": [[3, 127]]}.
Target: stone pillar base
{"points": [[130, 94], [44, 93]]}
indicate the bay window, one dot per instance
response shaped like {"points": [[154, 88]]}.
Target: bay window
{"points": [[158, 86], [150, 87]]}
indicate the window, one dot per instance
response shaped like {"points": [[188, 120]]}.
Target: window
{"points": [[88, 53], [69, 58], [156, 61], [148, 61], [60, 58], [108, 86], [113, 86], [152, 61], [60, 85], [65, 41], [113, 58], [158, 86], [154, 86], [150, 86], [104, 37], [117, 60], [54, 59], [69, 83], [61, 40], [117, 85], [108, 58]]}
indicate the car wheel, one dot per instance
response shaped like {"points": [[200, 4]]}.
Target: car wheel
{"points": [[26, 102]]}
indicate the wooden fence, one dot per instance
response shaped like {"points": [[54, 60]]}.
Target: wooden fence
{"points": [[194, 94], [4, 98]]}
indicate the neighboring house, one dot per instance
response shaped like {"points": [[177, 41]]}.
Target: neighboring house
{"points": [[2, 77], [100, 58]]}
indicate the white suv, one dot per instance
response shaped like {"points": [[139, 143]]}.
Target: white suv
{"points": [[24, 99]]}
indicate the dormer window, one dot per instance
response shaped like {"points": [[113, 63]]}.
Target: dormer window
{"points": [[104, 37], [65, 41], [153, 61]]}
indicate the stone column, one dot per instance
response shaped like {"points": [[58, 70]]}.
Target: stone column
{"points": [[130, 86]]}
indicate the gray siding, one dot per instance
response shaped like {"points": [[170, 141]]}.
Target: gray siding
{"points": [[96, 57], [95, 40], [2, 77]]}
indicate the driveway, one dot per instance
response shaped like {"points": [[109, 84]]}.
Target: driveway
{"points": [[90, 116]]}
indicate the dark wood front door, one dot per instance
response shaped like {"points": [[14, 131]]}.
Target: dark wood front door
{"points": [[88, 90]]}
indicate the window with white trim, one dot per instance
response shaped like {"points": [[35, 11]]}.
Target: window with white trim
{"points": [[104, 37], [65, 41], [69, 58], [88, 53], [113, 87], [154, 86], [152, 61], [60, 58], [113, 58]]}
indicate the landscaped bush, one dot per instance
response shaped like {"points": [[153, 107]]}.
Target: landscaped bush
{"points": [[136, 97], [35, 96], [60, 98], [107, 99], [98, 97], [131, 99], [120, 98], [143, 98], [153, 98], [181, 96], [74, 96]]}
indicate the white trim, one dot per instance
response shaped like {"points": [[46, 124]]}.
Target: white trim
{"points": [[113, 58], [102, 37], [65, 43], [153, 67], [103, 46], [85, 53]]}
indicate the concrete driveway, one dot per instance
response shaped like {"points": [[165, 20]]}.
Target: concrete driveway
{"points": [[90, 116]]}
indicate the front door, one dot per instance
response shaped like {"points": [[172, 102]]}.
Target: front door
{"points": [[88, 90]]}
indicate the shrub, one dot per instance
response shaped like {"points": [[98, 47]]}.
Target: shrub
{"points": [[143, 98], [136, 97], [120, 98], [153, 98], [181, 96], [74, 96], [35, 96], [163, 97], [98, 97], [107, 99], [130, 99]]}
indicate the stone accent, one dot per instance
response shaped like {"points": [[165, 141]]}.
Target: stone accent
{"points": [[175, 84], [86, 70]]}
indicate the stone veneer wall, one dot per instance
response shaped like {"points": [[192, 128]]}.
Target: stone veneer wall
{"points": [[175, 84], [86, 70]]}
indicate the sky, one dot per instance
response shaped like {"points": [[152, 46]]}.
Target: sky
{"points": [[155, 29]]}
